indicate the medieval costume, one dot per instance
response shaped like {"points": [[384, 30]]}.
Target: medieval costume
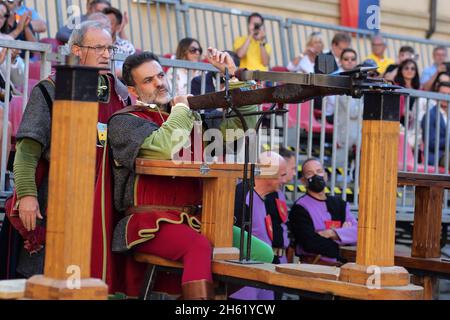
{"points": [[24, 254], [269, 225], [308, 216]]}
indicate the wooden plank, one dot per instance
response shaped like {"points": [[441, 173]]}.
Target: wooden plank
{"points": [[424, 180], [309, 270], [12, 289], [403, 258], [266, 273]]}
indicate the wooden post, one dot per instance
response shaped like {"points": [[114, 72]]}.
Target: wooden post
{"points": [[377, 198], [71, 191], [427, 222]]}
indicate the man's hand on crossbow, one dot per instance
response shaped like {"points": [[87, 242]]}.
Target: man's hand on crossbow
{"points": [[221, 60]]}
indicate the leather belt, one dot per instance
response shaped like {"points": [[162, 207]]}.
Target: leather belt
{"points": [[190, 209]]}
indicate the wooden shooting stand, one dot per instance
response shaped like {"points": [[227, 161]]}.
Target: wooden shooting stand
{"points": [[71, 186], [219, 185], [376, 225]]}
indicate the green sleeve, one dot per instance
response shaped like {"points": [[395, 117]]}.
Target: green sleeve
{"points": [[235, 122], [260, 251], [28, 153], [159, 144]]}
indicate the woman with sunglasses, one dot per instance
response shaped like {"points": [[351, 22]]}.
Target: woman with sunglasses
{"points": [[346, 113], [188, 49], [408, 77]]}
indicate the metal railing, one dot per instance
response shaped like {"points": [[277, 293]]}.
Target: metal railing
{"points": [[44, 51], [299, 30], [158, 25]]}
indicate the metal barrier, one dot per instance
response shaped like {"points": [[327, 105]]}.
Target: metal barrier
{"points": [[299, 30], [45, 67], [229, 24], [158, 25]]}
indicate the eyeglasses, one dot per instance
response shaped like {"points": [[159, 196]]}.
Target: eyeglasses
{"points": [[348, 59], [101, 49], [195, 50], [409, 68]]}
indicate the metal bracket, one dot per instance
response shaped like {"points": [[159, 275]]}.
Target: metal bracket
{"points": [[204, 168]]}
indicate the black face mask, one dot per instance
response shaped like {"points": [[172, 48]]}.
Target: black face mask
{"points": [[316, 183]]}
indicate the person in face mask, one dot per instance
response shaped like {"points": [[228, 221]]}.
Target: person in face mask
{"points": [[318, 222]]}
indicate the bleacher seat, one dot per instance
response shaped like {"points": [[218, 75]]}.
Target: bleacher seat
{"points": [[15, 113], [35, 70], [305, 111], [410, 159], [279, 69], [55, 43]]}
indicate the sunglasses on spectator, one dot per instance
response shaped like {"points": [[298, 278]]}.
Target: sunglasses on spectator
{"points": [[101, 49], [349, 59], [195, 50], [409, 68]]}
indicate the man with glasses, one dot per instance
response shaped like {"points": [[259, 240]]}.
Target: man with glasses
{"points": [[92, 44], [378, 48]]}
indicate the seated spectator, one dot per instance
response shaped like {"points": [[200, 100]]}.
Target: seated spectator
{"points": [[305, 63], [19, 29], [188, 49], [407, 77], [123, 46], [253, 49], [340, 41], [320, 223], [18, 7], [429, 74], [94, 6], [269, 217], [443, 88], [17, 68], [378, 50], [442, 77], [405, 53], [348, 108]]}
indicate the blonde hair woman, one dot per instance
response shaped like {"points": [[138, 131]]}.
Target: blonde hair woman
{"points": [[305, 62]]}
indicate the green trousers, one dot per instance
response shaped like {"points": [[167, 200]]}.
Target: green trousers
{"points": [[260, 251]]}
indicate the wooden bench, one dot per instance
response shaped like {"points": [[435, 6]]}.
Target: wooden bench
{"points": [[266, 275], [429, 196]]}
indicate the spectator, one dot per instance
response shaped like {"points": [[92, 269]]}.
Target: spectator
{"points": [[94, 6], [123, 46], [305, 63], [348, 107], [406, 52], [188, 49], [320, 223], [20, 29], [407, 77], [339, 42], [17, 68], [38, 24], [442, 77], [253, 49], [443, 88], [269, 219], [377, 55], [429, 74]]}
